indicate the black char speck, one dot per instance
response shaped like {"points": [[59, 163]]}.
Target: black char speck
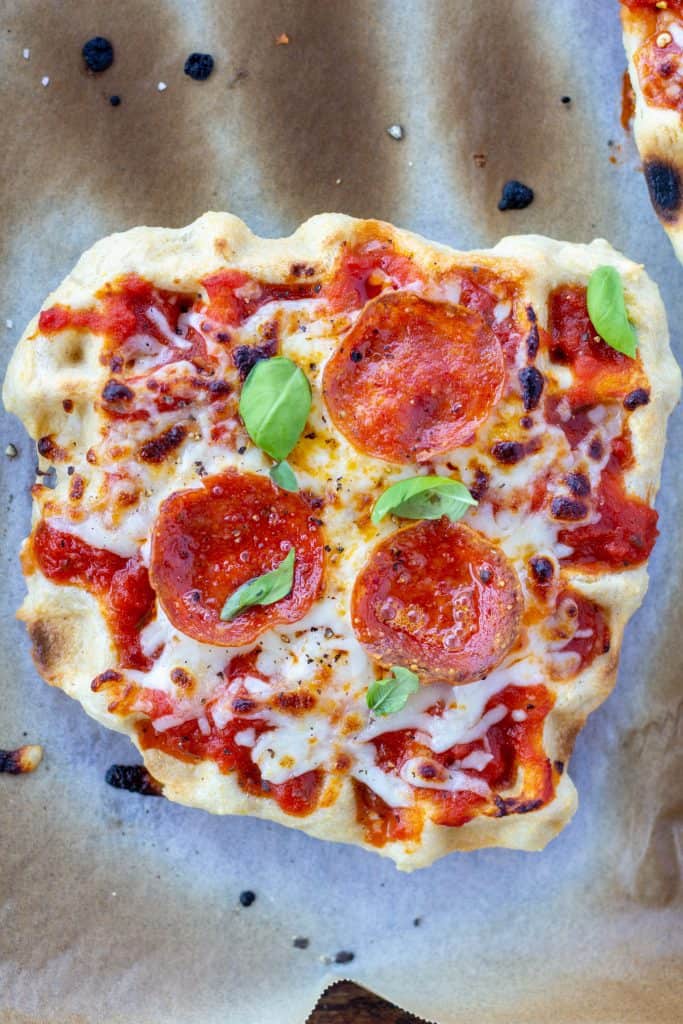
{"points": [[98, 54], [115, 101], [356, 356], [666, 189], [542, 569], [247, 897], [199, 66], [301, 942], [578, 484], [516, 196], [134, 778], [116, 391], [245, 357], [641, 396], [508, 452], [568, 508], [595, 449], [531, 383]]}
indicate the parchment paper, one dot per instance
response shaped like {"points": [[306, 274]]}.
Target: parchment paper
{"points": [[119, 908]]}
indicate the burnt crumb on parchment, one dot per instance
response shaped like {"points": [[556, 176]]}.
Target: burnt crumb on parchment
{"points": [[515, 196], [301, 942], [344, 956], [134, 778], [115, 100], [199, 66], [98, 54], [22, 760], [247, 897]]}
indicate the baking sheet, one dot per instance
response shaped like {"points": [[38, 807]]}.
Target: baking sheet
{"points": [[117, 908]]}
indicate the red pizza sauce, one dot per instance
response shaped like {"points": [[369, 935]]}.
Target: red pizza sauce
{"points": [[365, 272], [438, 598], [127, 310], [583, 622], [298, 796], [235, 296], [208, 541], [623, 536], [601, 373], [120, 584], [513, 744], [413, 378]]}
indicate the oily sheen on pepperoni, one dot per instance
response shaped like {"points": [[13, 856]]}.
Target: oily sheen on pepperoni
{"points": [[438, 598], [208, 541], [413, 378]]}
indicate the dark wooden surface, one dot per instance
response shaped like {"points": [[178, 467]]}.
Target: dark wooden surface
{"points": [[346, 1003]]}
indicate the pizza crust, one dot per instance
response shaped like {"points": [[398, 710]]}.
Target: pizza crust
{"points": [[658, 133], [70, 638]]}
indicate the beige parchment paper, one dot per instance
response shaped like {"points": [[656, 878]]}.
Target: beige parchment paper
{"points": [[116, 908]]}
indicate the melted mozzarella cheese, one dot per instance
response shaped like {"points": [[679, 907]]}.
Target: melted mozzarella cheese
{"points": [[320, 653]]}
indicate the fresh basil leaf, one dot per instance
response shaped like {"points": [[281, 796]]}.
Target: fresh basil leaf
{"points": [[274, 405], [607, 310], [282, 474], [266, 589], [424, 497], [385, 696]]}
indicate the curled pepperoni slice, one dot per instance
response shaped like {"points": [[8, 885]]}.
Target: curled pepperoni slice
{"points": [[413, 378], [208, 541], [440, 599]]}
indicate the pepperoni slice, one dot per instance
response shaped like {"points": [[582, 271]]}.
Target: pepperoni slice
{"points": [[413, 378], [438, 598], [210, 540]]}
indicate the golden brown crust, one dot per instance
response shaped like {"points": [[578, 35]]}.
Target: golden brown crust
{"points": [[63, 621], [659, 136]]}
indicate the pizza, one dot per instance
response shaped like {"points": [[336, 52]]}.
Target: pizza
{"points": [[343, 529], [653, 37]]}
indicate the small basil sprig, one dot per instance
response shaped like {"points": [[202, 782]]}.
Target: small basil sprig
{"points": [[274, 406], [424, 497], [607, 310], [385, 696], [283, 475], [266, 589]]}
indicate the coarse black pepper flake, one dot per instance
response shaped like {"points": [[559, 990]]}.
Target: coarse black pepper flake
{"points": [[301, 942], [641, 396], [115, 101], [566, 100], [98, 54], [344, 956], [199, 66], [247, 897], [515, 196]]}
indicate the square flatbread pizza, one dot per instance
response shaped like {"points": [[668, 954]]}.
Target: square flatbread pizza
{"points": [[343, 529]]}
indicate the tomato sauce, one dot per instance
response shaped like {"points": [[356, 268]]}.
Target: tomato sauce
{"points": [[235, 296], [298, 796], [514, 745], [365, 272], [623, 536], [120, 584], [601, 373]]}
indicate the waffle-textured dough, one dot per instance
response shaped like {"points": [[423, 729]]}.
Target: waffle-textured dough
{"points": [[71, 640]]}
